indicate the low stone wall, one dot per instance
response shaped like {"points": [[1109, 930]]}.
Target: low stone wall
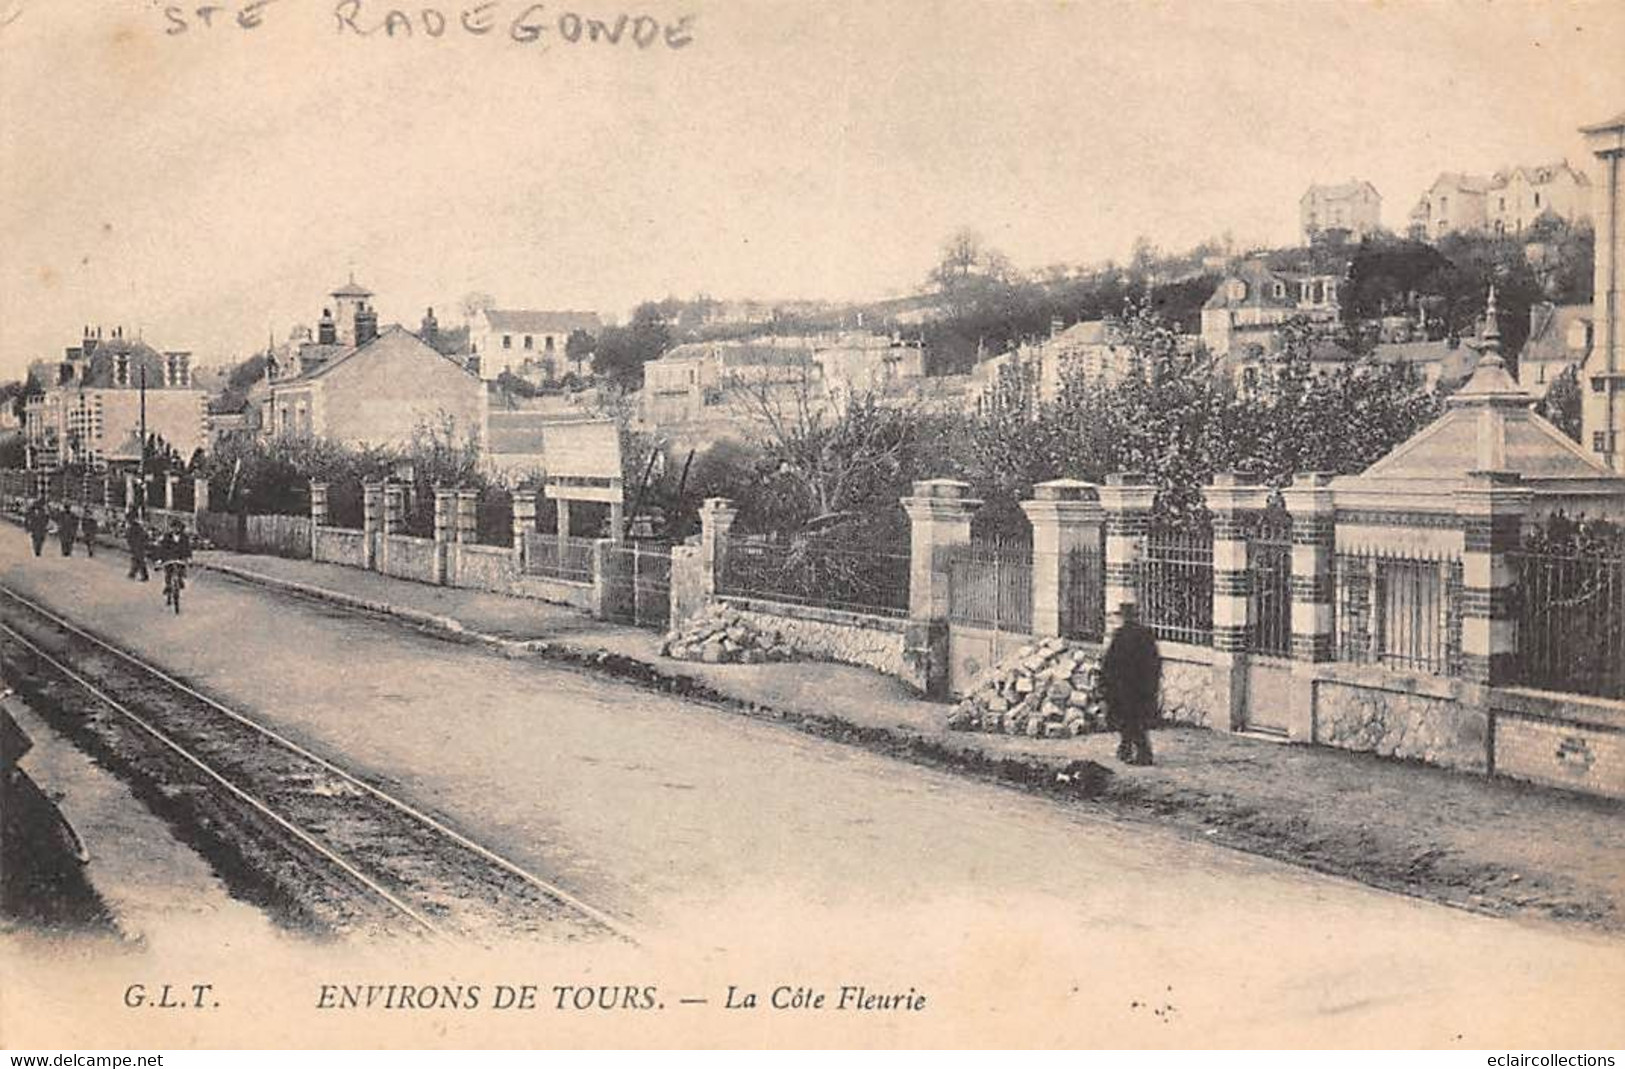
{"points": [[557, 591], [406, 557], [831, 635], [489, 568], [1396, 714], [339, 545]]}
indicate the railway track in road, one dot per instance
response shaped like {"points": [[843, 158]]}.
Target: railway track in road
{"points": [[317, 845]]}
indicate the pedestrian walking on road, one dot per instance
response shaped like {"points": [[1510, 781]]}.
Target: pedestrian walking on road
{"points": [[1131, 678], [135, 539], [38, 522], [67, 529], [90, 528]]}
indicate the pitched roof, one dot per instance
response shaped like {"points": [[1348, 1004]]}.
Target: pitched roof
{"points": [[528, 321], [1342, 191], [392, 336], [1548, 331], [139, 355], [1467, 183], [1455, 362], [1615, 123], [1260, 288], [1086, 332]]}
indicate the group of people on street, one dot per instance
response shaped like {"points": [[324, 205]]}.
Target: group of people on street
{"points": [[69, 527], [171, 551]]}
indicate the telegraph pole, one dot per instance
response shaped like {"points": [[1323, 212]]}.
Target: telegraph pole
{"points": [[142, 479]]}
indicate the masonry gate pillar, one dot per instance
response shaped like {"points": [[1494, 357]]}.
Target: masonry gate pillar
{"points": [[1126, 499], [318, 505], [1314, 556], [524, 522], [717, 517], [107, 492], [1235, 502], [1066, 518], [939, 516], [171, 482], [372, 521], [468, 516], [200, 496], [394, 508], [563, 509], [445, 531], [1491, 509], [131, 501]]}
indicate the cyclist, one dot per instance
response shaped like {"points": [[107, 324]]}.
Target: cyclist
{"points": [[173, 551]]}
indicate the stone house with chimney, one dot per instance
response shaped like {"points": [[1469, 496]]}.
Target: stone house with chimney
{"points": [[90, 411], [358, 386]]}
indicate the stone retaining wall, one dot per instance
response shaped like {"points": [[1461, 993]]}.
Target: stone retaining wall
{"points": [[831, 634], [1399, 717]]}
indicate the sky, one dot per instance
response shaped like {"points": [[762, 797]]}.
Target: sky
{"points": [[209, 186]]}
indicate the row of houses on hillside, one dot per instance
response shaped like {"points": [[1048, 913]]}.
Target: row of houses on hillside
{"points": [[1506, 202]]}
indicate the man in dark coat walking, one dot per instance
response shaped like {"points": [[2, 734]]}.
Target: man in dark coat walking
{"points": [[67, 529], [90, 527], [1131, 678], [39, 524], [135, 538]]}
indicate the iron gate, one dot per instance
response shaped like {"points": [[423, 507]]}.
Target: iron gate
{"points": [[640, 584]]}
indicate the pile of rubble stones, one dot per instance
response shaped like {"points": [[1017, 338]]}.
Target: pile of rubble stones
{"points": [[720, 635], [1049, 690]]}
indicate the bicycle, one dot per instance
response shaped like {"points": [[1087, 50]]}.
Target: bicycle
{"points": [[174, 583]]}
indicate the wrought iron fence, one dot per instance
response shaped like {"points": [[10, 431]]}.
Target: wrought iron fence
{"points": [[1571, 621], [1400, 611], [812, 571], [1176, 585], [640, 590], [991, 586], [549, 555], [1269, 559], [1083, 594]]}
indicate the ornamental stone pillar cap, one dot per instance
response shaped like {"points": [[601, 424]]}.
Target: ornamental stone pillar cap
{"points": [[1234, 478], [1128, 478], [718, 504], [1310, 480], [946, 488], [1065, 490]]}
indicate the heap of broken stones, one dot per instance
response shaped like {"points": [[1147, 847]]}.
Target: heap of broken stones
{"points": [[1048, 691], [721, 635]]}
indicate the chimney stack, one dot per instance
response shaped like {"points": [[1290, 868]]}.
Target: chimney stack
{"points": [[327, 331], [431, 328], [366, 324]]}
